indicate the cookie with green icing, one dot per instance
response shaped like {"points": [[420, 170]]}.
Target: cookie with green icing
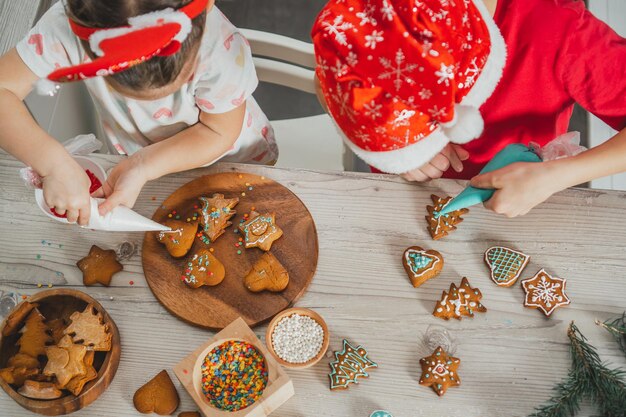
{"points": [[506, 265], [215, 214], [439, 371], [260, 231], [203, 269], [421, 265]]}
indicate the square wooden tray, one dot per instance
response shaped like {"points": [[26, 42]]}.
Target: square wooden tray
{"points": [[279, 386]]}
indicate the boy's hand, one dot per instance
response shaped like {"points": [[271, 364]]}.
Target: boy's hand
{"points": [[66, 190], [520, 187], [451, 156], [123, 184]]}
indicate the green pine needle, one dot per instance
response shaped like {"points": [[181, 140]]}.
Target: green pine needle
{"points": [[617, 327], [588, 377]]}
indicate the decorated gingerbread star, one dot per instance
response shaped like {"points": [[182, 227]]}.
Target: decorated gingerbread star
{"points": [[99, 266], [545, 292], [440, 226], [215, 214], [439, 371], [260, 231], [505, 264]]}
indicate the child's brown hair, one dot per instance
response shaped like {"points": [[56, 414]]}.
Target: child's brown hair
{"points": [[156, 72]]}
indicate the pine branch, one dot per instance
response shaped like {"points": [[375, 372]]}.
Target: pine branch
{"points": [[617, 327], [588, 376]]}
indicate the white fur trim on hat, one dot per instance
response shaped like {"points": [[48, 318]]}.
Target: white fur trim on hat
{"points": [[467, 124], [141, 22], [492, 71]]}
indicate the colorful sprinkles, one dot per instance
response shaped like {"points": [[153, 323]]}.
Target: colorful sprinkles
{"points": [[234, 375]]}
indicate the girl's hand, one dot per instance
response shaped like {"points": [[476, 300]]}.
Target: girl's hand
{"points": [[66, 190], [520, 187], [123, 184], [451, 155]]}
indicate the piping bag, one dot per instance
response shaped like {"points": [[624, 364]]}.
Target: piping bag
{"points": [[120, 219], [566, 145], [470, 196]]}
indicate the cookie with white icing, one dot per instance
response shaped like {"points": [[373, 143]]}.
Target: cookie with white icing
{"points": [[180, 239], [203, 269], [440, 226], [506, 264], [260, 231], [215, 215], [439, 371], [421, 265], [459, 302], [545, 292]]}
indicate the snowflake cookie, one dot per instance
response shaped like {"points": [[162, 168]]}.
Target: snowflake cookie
{"points": [[421, 265], [439, 371], [545, 292], [459, 302], [441, 226], [505, 264]]}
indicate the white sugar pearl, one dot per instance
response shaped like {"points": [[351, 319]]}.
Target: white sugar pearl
{"points": [[297, 339]]}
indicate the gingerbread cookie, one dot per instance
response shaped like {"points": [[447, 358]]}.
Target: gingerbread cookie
{"points": [[215, 214], [203, 269], [76, 384], [439, 371], [505, 264], [65, 361], [421, 265], [189, 414], [17, 376], [99, 266], [267, 274], [179, 240], [349, 365], [260, 231], [40, 390], [545, 292], [22, 360], [89, 328], [440, 226], [157, 396], [459, 302], [34, 335], [56, 327], [17, 317]]}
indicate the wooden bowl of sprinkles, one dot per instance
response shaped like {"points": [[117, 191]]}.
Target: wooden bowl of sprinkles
{"points": [[285, 314]]}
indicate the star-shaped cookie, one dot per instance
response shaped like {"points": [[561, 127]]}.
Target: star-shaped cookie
{"points": [[65, 361], [439, 371], [545, 292], [459, 302], [215, 214], [505, 264], [260, 231], [441, 226], [99, 266]]}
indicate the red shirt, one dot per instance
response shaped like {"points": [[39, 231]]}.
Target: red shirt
{"points": [[557, 54]]}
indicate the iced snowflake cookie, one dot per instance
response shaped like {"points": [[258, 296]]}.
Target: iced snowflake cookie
{"points": [[505, 264], [180, 239], [260, 231], [439, 371], [203, 269], [459, 302], [349, 365], [215, 215], [421, 265], [441, 226], [267, 274], [545, 292]]}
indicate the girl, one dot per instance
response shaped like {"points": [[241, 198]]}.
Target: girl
{"points": [[404, 80], [172, 82]]}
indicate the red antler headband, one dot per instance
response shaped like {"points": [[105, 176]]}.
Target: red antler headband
{"points": [[157, 33]]}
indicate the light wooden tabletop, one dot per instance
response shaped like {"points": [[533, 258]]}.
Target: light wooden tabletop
{"points": [[510, 356]]}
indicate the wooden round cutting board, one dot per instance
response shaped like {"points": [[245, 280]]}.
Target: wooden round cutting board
{"points": [[216, 307]]}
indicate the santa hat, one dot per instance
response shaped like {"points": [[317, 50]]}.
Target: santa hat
{"points": [[159, 33], [403, 78]]}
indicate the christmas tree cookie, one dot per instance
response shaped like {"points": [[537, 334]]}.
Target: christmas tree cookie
{"points": [[441, 226], [505, 264], [349, 365], [421, 265], [215, 214], [439, 371], [459, 302], [545, 292]]}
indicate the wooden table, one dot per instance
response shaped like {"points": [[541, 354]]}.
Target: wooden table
{"points": [[511, 356]]}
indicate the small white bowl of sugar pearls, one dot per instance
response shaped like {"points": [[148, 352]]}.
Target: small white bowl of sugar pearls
{"points": [[297, 338]]}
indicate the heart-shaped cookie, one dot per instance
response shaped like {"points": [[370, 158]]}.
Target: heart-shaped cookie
{"points": [[179, 240], [506, 264], [203, 269], [421, 265], [267, 274], [157, 396]]}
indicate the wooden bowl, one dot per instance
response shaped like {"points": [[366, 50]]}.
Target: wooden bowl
{"points": [[61, 303], [303, 312]]}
